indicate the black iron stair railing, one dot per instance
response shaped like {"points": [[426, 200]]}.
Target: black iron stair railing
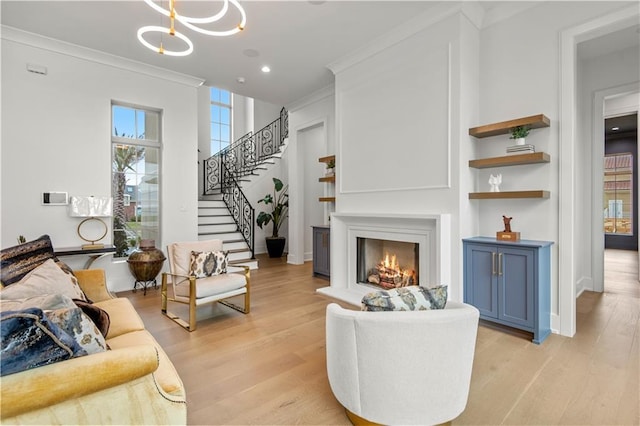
{"points": [[223, 171], [239, 206]]}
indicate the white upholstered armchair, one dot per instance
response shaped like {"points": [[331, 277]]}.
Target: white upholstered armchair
{"points": [[401, 367], [187, 289]]}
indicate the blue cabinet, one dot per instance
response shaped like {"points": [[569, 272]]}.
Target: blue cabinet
{"points": [[510, 283], [321, 255]]}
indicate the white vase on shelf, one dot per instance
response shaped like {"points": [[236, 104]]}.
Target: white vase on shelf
{"points": [[519, 141]]}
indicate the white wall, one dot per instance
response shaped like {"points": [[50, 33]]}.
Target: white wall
{"points": [[315, 110], [264, 113], [311, 141], [56, 137], [402, 119]]}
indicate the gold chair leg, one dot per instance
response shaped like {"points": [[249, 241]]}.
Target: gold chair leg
{"points": [[356, 420], [163, 291], [247, 295], [359, 421], [192, 304]]}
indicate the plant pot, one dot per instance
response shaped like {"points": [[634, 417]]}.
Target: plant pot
{"points": [[519, 141], [275, 246]]}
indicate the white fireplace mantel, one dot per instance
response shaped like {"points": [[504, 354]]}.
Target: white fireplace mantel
{"points": [[431, 231]]}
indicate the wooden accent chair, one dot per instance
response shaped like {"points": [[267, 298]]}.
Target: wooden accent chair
{"points": [[188, 289]]}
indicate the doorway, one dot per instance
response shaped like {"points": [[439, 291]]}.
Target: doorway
{"points": [[620, 182], [311, 145]]}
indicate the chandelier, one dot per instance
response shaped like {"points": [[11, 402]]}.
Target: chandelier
{"points": [[189, 22]]}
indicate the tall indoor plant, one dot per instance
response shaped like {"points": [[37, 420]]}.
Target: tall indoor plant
{"points": [[279, 210]]}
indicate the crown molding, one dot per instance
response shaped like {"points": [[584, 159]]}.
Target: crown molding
{"points": [[506, 10], [312, 98], [73, 50], [441, 10]]}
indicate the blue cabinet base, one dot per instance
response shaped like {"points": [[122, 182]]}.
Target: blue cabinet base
{"points": [[510, 283]]}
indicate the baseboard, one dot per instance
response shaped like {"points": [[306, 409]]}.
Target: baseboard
{"points": [[583, 284]]}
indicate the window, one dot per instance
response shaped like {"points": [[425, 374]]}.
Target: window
{"points": [[220, 119], [135, 176], [618, 190]]}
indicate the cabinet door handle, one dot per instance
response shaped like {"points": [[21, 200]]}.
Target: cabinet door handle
{"points": [[493, 263], [500, 264]]}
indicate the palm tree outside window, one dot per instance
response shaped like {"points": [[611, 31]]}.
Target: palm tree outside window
{"points": [[135, 175]]}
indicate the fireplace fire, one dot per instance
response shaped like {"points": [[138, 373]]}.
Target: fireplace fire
{"points": [[389, 274], [388, 264]]}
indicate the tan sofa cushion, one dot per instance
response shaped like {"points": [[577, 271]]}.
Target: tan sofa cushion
{"points": [[210, 286], [123, 316], [166, 374]]}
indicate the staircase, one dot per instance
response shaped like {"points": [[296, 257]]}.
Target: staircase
{"points": [[223, 211], [215, 222]]}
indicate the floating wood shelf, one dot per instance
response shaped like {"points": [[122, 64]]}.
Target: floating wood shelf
{"points": [[508, 194], [327, 179], [327, 158], [504, 127], [510, 160]]}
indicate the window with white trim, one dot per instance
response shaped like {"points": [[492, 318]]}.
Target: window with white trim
{"points": [[220, 119], [135, 175]]}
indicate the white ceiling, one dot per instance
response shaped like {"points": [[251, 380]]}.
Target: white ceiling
{"points": [[297, 39]]}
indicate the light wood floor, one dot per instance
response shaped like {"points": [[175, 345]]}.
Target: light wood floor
{"points": [[268, 367]]}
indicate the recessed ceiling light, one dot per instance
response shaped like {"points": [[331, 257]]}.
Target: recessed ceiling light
{"points": [[266, 69], [615, 128]]}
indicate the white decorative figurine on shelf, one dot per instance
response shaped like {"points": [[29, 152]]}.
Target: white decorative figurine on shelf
{"points": [[495, 182]]}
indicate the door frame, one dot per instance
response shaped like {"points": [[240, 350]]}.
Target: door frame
{"points": [[567, 245], [597, 235]]}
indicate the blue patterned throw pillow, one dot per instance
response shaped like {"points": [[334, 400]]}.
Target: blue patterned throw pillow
{"points": [[410, 298], [30, 340]]}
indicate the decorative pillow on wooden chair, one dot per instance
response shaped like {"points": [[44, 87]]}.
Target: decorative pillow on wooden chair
{"points": [[410, 298], [207, 263]]}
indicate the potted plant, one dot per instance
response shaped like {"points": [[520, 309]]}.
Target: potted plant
{"points": [[280, 207], [331, 164], [519, 133]]}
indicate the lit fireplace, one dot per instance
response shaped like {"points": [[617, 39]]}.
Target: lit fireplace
{"points": [[387, 263]]}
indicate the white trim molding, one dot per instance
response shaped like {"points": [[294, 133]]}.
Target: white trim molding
{"points": [[46, 43]]}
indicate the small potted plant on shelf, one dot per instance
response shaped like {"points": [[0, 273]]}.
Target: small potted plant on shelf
{"points": [[280, 207], [330, 171], [519, 133]]}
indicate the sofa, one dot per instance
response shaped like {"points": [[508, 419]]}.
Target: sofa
{"points": [[133, 382]]}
